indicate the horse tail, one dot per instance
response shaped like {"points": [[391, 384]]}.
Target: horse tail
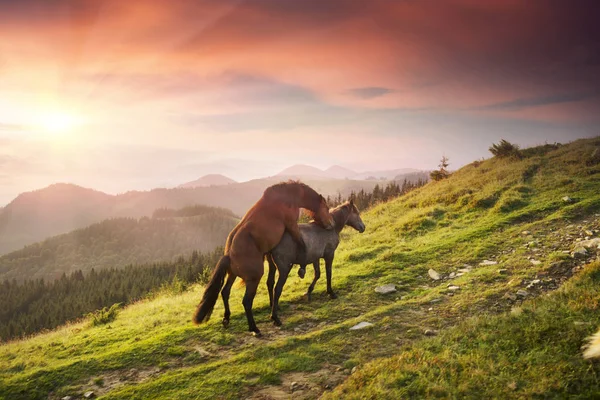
{"points": [[211, 292]]}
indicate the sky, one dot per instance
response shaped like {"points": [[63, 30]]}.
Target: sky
{"points": [[121, 95]]}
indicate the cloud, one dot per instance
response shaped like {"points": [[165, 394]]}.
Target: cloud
{"points": [[369, 92], [522, 103]]}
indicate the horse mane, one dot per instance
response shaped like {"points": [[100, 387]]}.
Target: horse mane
{"points": [[340, 214]]}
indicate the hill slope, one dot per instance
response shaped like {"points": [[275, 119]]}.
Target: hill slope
{"points": [[117, 242], [496, 231]]}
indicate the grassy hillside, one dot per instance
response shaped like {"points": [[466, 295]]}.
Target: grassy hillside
{"points": [[506, 320], [118, 242]]}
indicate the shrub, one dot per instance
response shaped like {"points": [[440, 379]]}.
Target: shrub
{"points": [[105, 315], [441, 173], [505, 149]]}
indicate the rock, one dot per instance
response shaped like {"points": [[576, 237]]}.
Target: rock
{"points": [[535, 262], [589, 233], [485, 263], [433, 274], [590, 243], [525, 233], [453, 288], [437, 300], [354, 369], [67, 398], [385, 289], [89, 395], [361, 325], [502, 271], [294, 386], [522, 293], [579, 252], [452, 275], [567, 199], [430, 332]]}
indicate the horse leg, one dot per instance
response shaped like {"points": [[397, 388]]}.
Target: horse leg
{"points": [[301, 252], [328, 264], [271, 278], [251, 286], [317, 268], [225, 295], [283, 274]]}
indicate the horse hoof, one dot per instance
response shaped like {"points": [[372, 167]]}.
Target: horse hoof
{"points": [[332, 296], [276, 321], [256, 333], [307, 297], [301, 273], [225, 323]]}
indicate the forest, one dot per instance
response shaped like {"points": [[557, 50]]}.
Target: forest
{"points": [[35, 305]]}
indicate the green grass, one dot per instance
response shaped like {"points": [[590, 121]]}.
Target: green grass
{"points": [[483, 350]]}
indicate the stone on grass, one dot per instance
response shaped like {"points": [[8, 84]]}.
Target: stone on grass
{"points": [[361, 325], [535, 262], [433, 274], [67, 398], [485, 263], [430, 332], [580, 252], [522, 293], [590, 243], [385, 289], [567, 199], [453, 288], [502, 271], [89, 395]]}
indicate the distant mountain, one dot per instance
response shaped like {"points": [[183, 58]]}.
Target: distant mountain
{"points": [[302, 170], [338, 172], [387, 174], [56, 209], [209, 180], [115, 243], [61, 208], [413, 177]]}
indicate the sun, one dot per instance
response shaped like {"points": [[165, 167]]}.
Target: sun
{"points": [[57, 123]]}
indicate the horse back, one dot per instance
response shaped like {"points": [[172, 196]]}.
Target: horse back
{"points": [[265, 223]]}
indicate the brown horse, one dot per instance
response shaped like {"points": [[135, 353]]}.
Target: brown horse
{"points": [[256, 234]]}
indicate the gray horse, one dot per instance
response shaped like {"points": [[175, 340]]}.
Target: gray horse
{"points": [[320, 243]]}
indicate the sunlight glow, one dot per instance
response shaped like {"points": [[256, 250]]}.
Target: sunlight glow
{"points": [[58, 122]]}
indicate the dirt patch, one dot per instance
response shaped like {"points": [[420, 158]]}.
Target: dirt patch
{"points": [[301, 386], [104, 383]]}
